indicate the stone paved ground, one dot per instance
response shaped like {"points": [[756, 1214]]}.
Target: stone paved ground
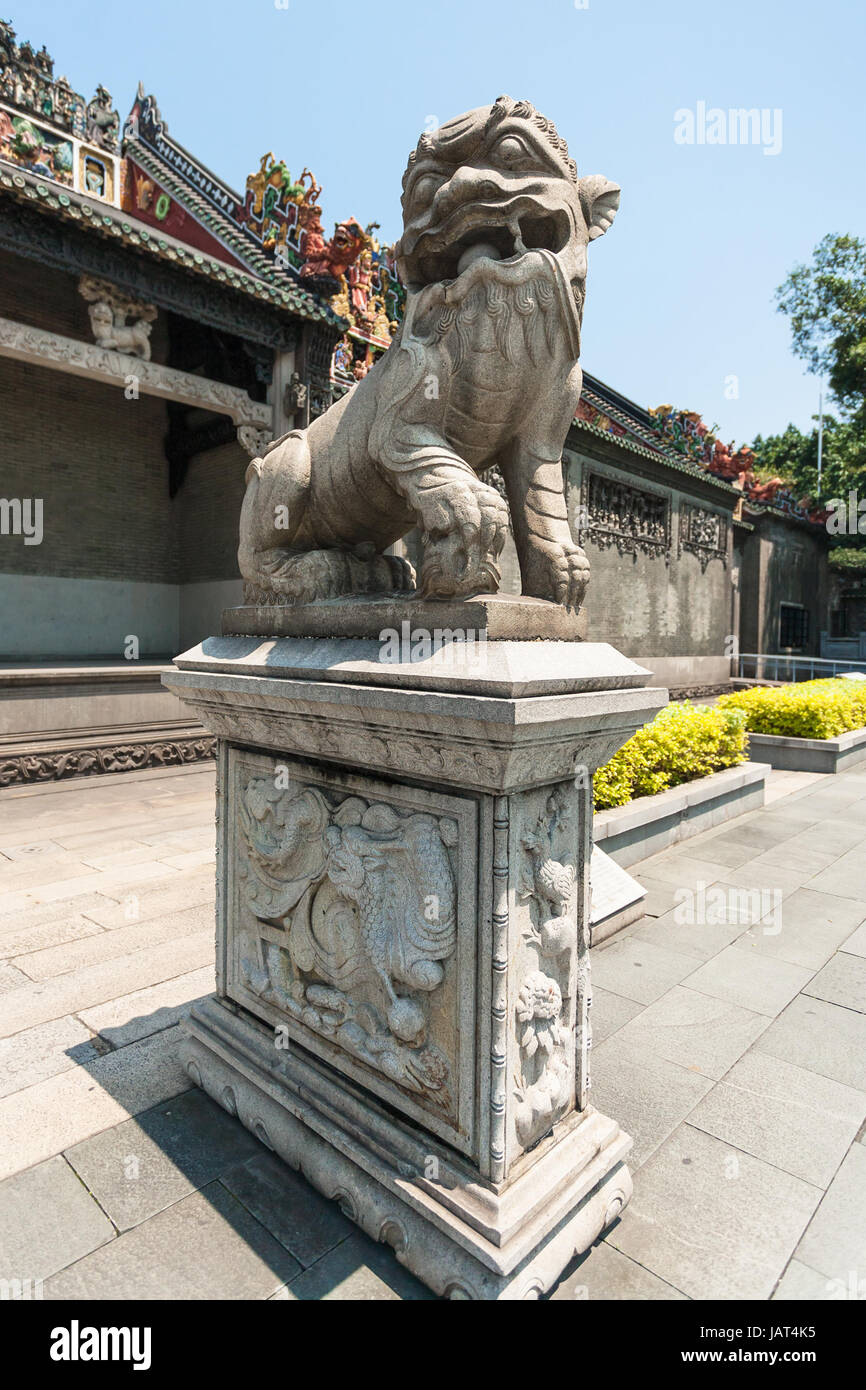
{"points": [[732, 1046]]}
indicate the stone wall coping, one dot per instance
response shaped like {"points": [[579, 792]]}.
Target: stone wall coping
{"points": [[676, 800], [91, 673], [852, 739]]}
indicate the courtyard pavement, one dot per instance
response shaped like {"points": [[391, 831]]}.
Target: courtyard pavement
{"points": [[729, 1040]]}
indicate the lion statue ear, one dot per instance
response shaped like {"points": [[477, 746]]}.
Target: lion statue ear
{"points": [[599, 199]]}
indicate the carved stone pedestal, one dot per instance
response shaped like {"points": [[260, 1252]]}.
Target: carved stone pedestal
{"points": [[402, 935]]}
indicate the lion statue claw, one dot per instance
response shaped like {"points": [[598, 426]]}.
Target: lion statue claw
{"points": [[483, 371]]}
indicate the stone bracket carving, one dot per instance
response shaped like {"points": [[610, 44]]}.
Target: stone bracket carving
{"points": [[40, 348], [109, 310], [253, 441]]}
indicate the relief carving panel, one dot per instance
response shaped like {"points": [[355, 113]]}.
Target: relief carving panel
{"points": [[546, 980], [704, 534], [351, 909], [631, 519]]}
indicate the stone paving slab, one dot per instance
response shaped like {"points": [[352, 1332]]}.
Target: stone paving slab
{"points": [[50, 1116], [750, 980], [37, 1002], [605, 1273], [135, 1016], [703, 940], [357, 1270], [842, 981], [16, 941], [609, 1013], [786, 1116], [802, 1284], [713, 1221], [811, 927], [37, 1053], [47, 1221], [695, 1031], [834, 1242], [139, 1168], [302, 1220], [856, 943], [649, 1096], [206, 1246], [640, 970], [821, 1038]]}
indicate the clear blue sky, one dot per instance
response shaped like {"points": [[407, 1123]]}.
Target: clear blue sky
{"points": [[681, 289]]}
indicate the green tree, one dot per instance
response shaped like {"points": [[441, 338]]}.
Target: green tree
{"points": [[826, 303], [793, 456]]}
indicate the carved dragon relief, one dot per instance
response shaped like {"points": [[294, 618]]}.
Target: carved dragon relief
{"points": [[364, 896], [548, 884]]}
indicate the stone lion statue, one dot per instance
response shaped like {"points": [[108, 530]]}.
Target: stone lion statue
{"points": [[483, 371]]}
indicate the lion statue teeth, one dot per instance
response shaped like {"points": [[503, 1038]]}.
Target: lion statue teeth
{"points": [[483, 371]]}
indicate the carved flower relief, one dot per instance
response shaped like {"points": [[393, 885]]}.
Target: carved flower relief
{"points": [[539, 1008]]}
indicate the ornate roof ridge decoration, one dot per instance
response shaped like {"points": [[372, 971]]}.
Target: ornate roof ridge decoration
{"points": [[198, 207], [275, 228], [667, 459], [207, 197], [685, 432], [113, 223], [146, 125], [28, 84]]}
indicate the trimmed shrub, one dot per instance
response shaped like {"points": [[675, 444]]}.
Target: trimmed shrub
{"points": [[683, 742], [808, 709]]}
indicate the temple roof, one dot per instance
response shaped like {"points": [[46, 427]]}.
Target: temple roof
{"points": [[604, 412], [111, 222]]}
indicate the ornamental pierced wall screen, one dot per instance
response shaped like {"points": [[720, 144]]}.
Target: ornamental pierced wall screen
{"points": [[629, 518], [704, 534]]}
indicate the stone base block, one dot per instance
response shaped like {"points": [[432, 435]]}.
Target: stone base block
{"points": [[502, 618], [463, 1237]]}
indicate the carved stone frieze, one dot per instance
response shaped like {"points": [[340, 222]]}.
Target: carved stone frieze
{"points": [[50, 766], [100, 363], [631, 519]]}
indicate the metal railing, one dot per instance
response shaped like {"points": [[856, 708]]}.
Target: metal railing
{"points": [[770, 667]]}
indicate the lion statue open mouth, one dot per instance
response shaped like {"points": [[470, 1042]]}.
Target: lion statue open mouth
{"points": [[484, 370]]}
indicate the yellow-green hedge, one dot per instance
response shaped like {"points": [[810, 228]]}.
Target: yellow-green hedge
{"points": [[683, 742], [809, 709]]}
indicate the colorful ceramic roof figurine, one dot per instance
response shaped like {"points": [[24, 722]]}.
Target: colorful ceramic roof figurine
{"points": [[685, 431]]}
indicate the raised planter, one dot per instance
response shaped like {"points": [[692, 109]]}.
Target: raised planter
{"points": [[810, 754], [650, 824]]}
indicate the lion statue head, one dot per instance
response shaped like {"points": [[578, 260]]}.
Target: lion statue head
{"points": [[498, 182]]}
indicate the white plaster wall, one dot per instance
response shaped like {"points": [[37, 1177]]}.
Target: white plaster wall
{"points": [[201, 607], [43, 617], [686, 670]]}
